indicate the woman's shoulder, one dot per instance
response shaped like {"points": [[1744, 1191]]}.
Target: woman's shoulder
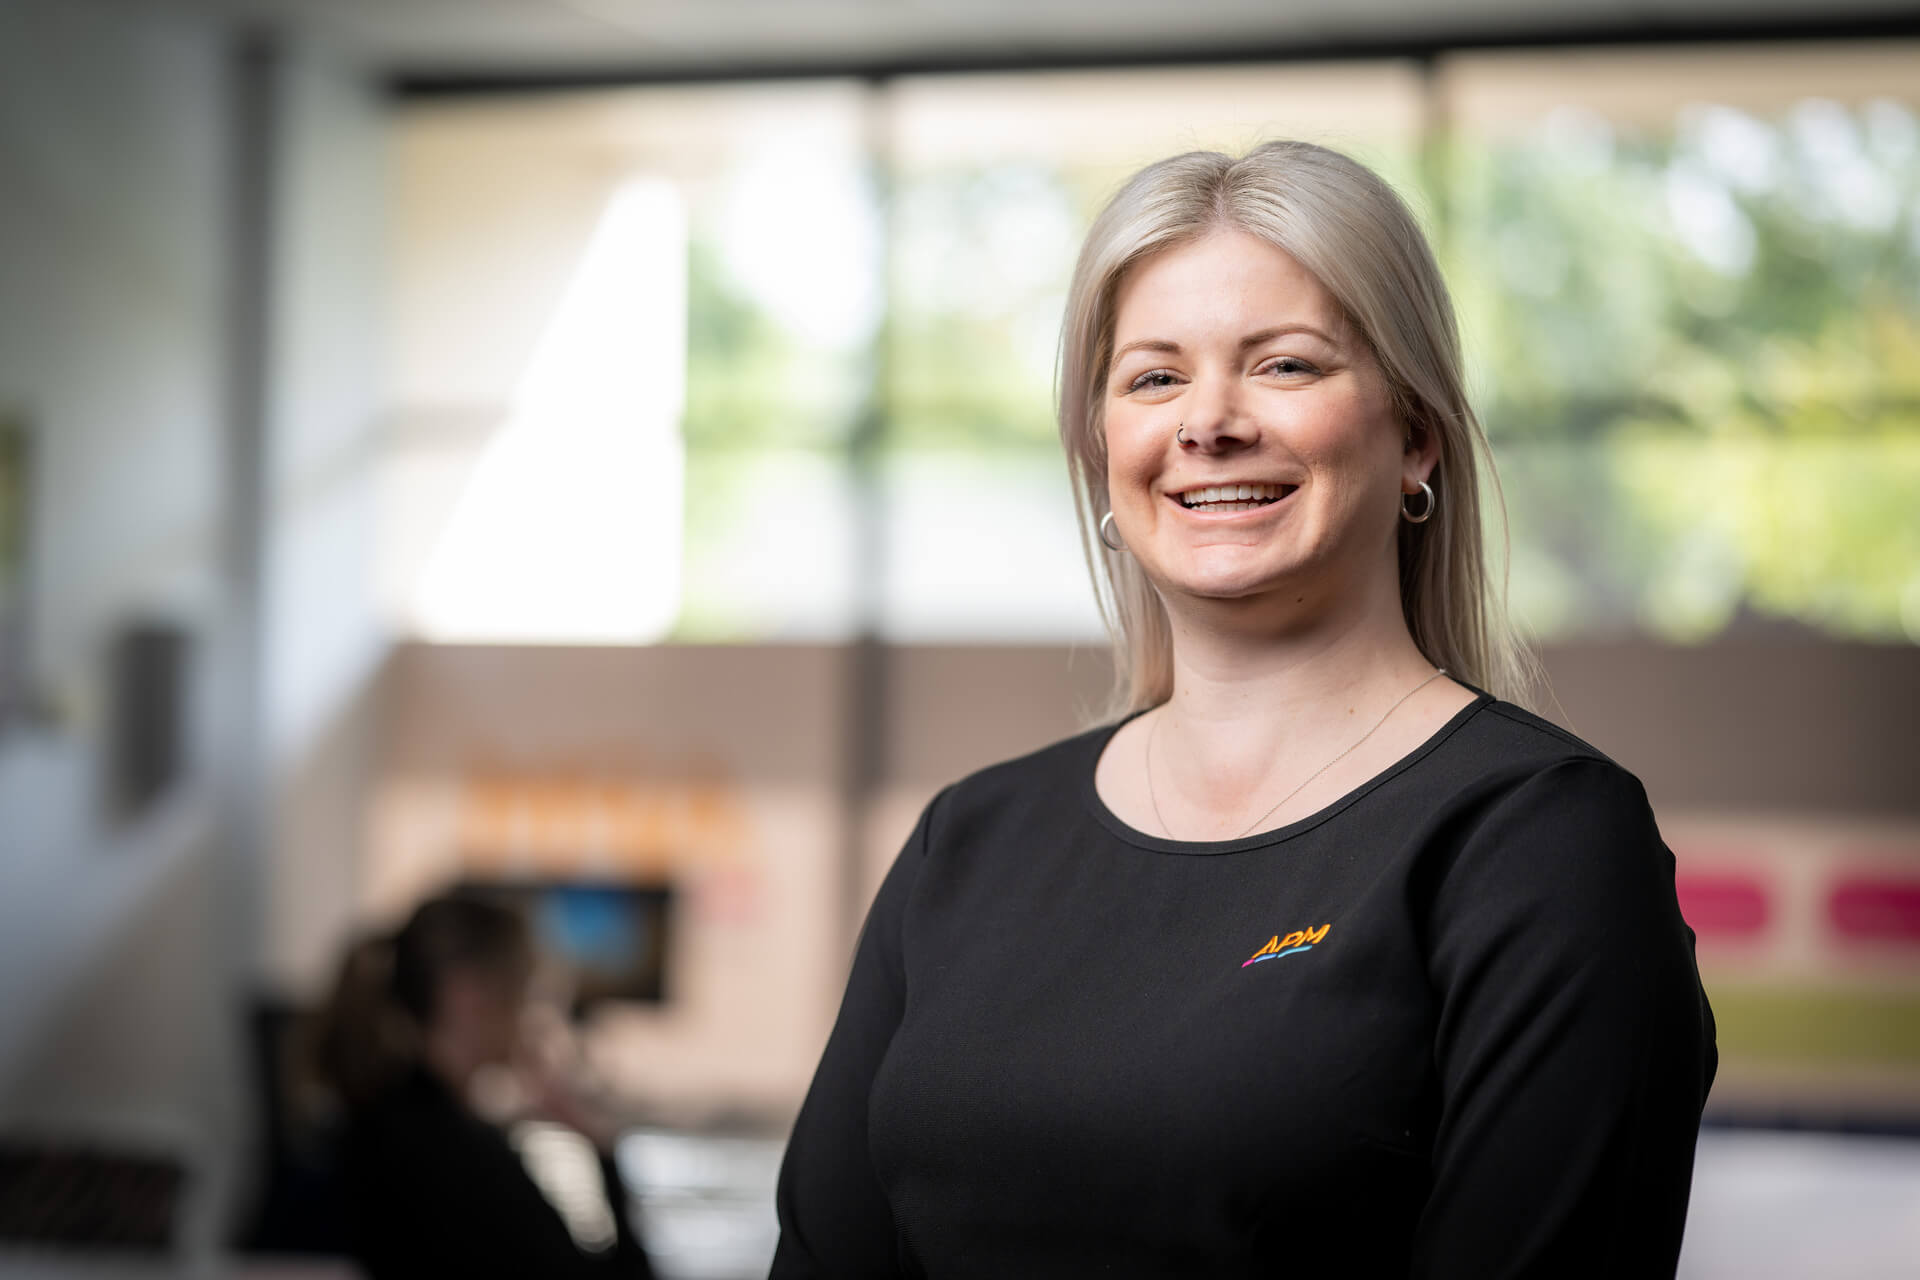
{"points": [[1056, 764], [416, 1114], [1530, 801], [1506, 781], [1039, 779], [1508, 743]]}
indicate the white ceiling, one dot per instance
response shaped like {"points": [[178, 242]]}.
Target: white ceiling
{"points": [[536, 36]]}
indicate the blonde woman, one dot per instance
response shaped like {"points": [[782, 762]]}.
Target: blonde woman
{"points": [[1326, 954]]}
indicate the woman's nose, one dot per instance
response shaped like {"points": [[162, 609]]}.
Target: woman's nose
{"points": [[1214, 421]]}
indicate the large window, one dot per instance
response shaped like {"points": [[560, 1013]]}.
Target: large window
{"points": [[995, 178], [1690, 286], [776, 361], [635, 336]]}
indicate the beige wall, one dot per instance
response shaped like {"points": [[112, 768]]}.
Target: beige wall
{"points": [[737, 753], [1793, 737], [1770, 726]]}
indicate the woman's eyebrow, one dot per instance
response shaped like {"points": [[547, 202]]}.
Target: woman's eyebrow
{"points": [[1280, 330], [1149, 344], [1170, 347]]}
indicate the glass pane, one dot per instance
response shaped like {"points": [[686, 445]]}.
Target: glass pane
{"points": [[996, 178], [1691, 287], [634, 337]]}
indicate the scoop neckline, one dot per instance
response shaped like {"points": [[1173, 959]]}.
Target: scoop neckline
{"points": [[1107, 818]]}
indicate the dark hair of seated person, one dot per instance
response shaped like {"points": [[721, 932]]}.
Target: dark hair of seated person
{"points": [[431, 1187]]}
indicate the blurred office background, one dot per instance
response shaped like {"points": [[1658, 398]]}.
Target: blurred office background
{"points": [[602, 450]]}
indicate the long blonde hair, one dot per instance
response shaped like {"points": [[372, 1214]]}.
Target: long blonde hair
{"points": [[1345, 225]]}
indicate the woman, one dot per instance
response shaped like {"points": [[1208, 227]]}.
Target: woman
{"points": [[431, 1187], [1324, 956]]}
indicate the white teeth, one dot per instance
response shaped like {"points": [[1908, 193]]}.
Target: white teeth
{"points": [[1230, 497]]}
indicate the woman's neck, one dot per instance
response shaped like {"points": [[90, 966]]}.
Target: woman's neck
{"points": [[1255, 705]]}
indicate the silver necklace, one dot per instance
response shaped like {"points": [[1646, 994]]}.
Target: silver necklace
{"points": [[1155, 728]]}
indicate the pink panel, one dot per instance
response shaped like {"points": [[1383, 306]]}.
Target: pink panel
{"points": [[1723, 904], [1876, 908]]}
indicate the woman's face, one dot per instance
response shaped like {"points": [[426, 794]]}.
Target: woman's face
{"points": [[1235, 340], [482, 1007]]}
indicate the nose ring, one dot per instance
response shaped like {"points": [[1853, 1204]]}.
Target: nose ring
{"points": [[1180, 434]]}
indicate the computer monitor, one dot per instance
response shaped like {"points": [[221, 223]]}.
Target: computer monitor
{"points": [[611, 935]]}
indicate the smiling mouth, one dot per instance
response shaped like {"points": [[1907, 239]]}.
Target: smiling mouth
{"points": [[1233, 497]]}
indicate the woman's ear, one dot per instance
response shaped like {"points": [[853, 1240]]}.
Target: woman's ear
{"points": [[1419, 455]]}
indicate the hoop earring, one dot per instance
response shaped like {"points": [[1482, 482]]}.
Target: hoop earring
{"points": [[1107, 527], [1427, 513]]}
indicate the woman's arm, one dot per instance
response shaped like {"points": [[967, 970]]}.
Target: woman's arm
{"points": [[834, 1219], [1575, 1046]]}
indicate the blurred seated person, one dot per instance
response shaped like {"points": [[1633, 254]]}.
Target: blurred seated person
{"points": [[433, 1188]]}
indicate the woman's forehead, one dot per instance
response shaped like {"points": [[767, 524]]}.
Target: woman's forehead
{"points": [[1224, 283]]}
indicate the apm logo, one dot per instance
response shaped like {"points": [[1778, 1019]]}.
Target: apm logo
{"points": [[1298, 940]]}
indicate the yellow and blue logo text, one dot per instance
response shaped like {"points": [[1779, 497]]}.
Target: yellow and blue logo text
{"points": [[1298, 940]]}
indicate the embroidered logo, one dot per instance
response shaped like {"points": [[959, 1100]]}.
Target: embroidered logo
{"points": [[1298, 940]]}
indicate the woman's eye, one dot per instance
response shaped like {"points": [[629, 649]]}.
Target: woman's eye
{"points": [[1290, 365], [1151, 379]]}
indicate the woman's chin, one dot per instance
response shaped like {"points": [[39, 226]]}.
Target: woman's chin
{"points": [[1222, 587]]}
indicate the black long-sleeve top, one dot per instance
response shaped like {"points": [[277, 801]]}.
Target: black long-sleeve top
{"points": [[434, 1190], [1450, 1026]]}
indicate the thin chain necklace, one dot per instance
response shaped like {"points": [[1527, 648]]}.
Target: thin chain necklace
{"points": [[1155, 728]]}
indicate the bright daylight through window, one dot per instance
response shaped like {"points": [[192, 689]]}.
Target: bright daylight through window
{"points": [[788, 349]]}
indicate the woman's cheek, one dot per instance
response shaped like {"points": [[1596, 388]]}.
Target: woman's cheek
{"points": [[1130, 461]]}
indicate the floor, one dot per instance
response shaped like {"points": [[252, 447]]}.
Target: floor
{"points": [[1765, 1205]]}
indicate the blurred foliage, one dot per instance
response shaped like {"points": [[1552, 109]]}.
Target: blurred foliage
{"points": [[757, 393], [752, 382], [1698, 355], [982, 259], [1697, 352], [980, 269]]}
